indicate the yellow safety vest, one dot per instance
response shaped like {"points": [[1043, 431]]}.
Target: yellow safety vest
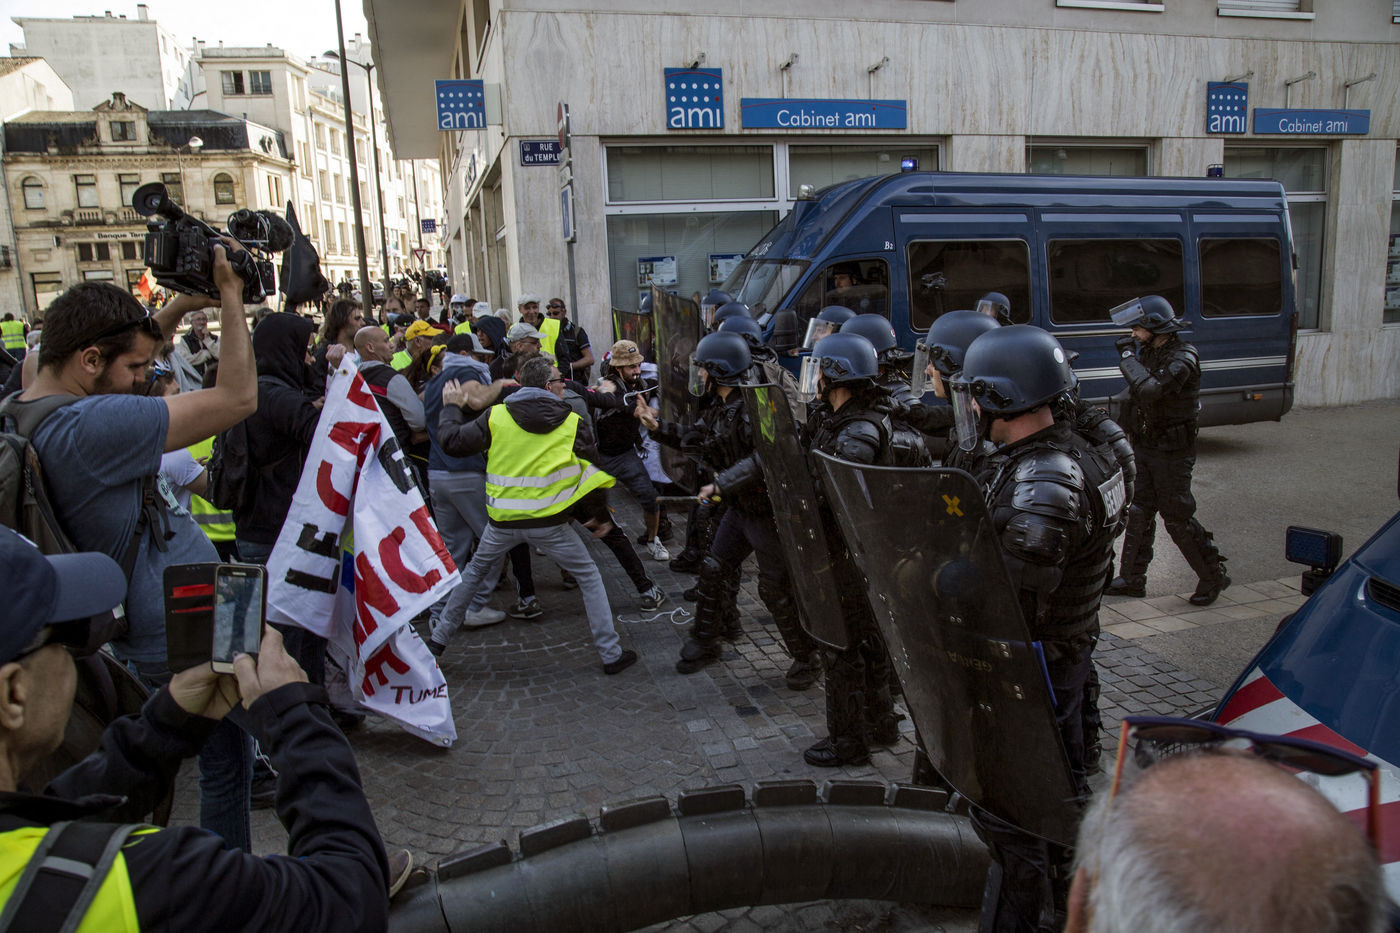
{"points": [[217, 523], [550, 328], [401, 360], [112, 911], [12, 332], [535, 475], [463, 328]]}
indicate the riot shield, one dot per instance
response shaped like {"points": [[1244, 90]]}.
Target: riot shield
{"points": [[676, 321], [636, 327], [974, 682], [793, 492]]}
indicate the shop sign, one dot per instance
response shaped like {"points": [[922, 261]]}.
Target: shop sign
{"points": [[539, 152], [786, 113], [1227, 105], [461, 105], [694, 98], [428, 224], [1312, 122]]}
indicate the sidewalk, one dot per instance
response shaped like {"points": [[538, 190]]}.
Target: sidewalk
{"points": [[544, 734]]}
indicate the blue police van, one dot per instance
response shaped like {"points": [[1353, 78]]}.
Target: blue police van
{"points": [[1064, 249]]}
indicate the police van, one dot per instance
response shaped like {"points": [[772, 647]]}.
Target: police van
{"points": [[1064, 250]]}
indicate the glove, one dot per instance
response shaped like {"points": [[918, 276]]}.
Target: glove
{"points": [[1127, 345]]}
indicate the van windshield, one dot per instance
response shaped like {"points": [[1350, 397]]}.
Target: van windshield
{"points": [[762, 283]]}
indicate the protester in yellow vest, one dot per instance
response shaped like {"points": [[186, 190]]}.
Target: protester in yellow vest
{"points": [[530, 313], [419, 337], [70, 853], [216, 523], [538, 469], [12, 335], [461, 313]]}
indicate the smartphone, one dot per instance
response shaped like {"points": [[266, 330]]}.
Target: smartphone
{"points": [[239, 607], [189, 614]]}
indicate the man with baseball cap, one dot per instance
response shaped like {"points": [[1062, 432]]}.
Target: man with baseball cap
{"points": [[417, 339], [74, 850], [620, 440]]}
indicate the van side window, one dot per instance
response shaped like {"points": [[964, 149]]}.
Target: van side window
{"points": [[1241, 275], [863, 285], [1089, 277], [948, 275]]}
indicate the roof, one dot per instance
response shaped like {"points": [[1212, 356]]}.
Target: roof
{"points": [[56, 116], [8, 65]]}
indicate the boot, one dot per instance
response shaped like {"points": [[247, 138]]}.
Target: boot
{"points": [[1198, 547], [702, 646], [834, 753], [804, 672], [845, 715], [687, 561], [1137, 554]]}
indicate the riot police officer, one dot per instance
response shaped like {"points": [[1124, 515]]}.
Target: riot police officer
{"points": [[1055, 501], [894, 361], [1164, 380], [851, 421], [938, 358], [723, 440]]}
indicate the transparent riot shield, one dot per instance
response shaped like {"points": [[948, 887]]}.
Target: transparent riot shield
{"points": [[677, 329], [793, 492], [636, 327], [974, 682]]}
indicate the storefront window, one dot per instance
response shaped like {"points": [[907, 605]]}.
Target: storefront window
{"points": [[1392, 263], [1303, 174], [820, 166], [685, 253], [1057, 159], [689, 173]]}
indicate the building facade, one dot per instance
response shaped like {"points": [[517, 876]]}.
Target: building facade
{"points": [[675, 172], [71, 176], [304, 99], [98, 55]]}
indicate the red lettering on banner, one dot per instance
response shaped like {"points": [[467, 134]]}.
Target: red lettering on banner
{"points": [[325, 488], [355, 436], [370, 593], [374, 668], [359, 396], [430, 535], [392, 559]]}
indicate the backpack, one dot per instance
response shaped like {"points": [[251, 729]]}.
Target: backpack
{"points": [[229, 471], [24, 499]]}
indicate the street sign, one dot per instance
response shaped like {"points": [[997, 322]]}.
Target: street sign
{"points": [[562, 116], [566, 208], [420, 254], [540, 152]]}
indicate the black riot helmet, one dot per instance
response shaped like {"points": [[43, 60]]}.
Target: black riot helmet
{"points": [[873, 327], [1007, 371], [840, 360], [828, 321], [1152, 312], [948, 338], [745, 327], [725, 357], [731, 309], [717, 298], [995, 305]]}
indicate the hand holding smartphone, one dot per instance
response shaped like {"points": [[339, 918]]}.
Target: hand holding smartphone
{"points": [[213, 612], [239, 608]]}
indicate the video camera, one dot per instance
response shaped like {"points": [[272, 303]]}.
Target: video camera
{"points": [[179, 248]]}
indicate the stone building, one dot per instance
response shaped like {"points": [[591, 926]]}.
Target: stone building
{"points": [[698, 163], [70, 177]]}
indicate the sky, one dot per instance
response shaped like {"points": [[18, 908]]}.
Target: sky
{"points": [[242, 22]]}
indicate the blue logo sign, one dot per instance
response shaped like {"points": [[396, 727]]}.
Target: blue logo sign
{"points": [[539, 152], [795, 114], [429, 225], [1313, 122], [461, 105], [694, 99], [1226, 106]]}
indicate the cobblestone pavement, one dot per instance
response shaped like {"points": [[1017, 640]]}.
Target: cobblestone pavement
{"points": [[543, 733]]}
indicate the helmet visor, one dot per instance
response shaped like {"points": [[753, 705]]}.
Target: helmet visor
{"points": [[1128, 314], [699, 379], [809, 378], [966, 420], [990, 308], [816, 330], [918, 379]]}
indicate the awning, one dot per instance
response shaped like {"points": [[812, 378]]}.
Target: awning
{"points": [[413, 43]]}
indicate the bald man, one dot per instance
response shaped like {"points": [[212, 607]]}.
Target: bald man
{"points": [[400, 404], [1221, 841]]}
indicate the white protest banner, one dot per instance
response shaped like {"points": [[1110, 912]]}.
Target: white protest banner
{"points": [[356, 476]]}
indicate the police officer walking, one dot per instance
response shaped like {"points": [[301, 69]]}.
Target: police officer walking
{"points": [[1055, 501], [1164, 380]]}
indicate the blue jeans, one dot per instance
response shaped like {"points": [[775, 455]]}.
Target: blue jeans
{"points": [[225, 784]]}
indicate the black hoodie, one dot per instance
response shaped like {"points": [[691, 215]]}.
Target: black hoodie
{"points": [[280, 431]]}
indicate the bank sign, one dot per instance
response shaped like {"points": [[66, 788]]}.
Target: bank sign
{"points": [[694, 98], [461, 105], [788, 113]]}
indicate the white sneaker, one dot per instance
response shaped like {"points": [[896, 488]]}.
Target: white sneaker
{"points": [[483, 617], [652, 599], [658, 550]]}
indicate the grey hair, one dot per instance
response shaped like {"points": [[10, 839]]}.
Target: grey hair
{"points": [[535, 372], [1145, 879]]}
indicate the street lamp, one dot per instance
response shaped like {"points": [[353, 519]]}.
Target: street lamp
{"points": [[192, 146], [374, 145]]}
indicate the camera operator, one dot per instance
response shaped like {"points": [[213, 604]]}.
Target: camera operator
{"points": [[179, 878], [101, 447]]}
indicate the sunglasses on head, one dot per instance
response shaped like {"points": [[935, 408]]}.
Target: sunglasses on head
{"points": [[146, 322], [1155, 738]]}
